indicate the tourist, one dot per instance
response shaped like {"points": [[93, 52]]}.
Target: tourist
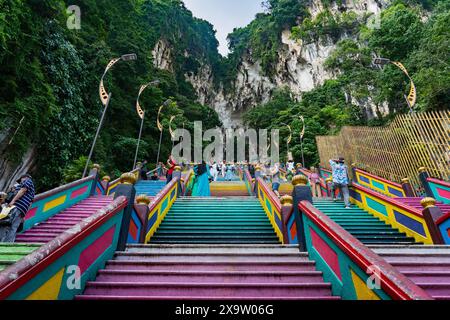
{"points": [[214, 171], [143, 170], [171, 167], [201, 182], [340, 179], [314, 180], [155, 176], [229, 173], [19, 207], [224, 169]]}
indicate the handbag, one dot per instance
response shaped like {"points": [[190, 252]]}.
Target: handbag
{"points": [[5, 217]]}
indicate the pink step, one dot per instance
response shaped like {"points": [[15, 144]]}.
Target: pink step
{"points": [[209, 277], [187, 298], [210, 266], [53, 227], [194, 290]]}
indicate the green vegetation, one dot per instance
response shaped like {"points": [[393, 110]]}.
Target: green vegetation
{"points": [[422, 45], [50, 75]]}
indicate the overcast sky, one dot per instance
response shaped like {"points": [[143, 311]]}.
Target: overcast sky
{"points": [[225, 15]]}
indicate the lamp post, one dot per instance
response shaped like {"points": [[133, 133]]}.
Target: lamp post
{"points": [[302, 134], [141, 114], [105, 97], [412, 97], [171, 131], [160, 127]]}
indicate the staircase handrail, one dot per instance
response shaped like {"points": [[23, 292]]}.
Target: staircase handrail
{"points": [[24, 279], [273, 211], [169, 193], [47, 204], [324, 235], [391, 211]]}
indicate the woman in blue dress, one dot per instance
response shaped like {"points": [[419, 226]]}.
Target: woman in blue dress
{"points": [[229, 175], [201, 182]]}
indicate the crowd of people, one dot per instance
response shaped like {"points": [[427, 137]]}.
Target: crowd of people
{"points": [[15, 203]]}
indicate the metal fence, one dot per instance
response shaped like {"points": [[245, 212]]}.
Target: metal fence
{"points": [[397, 151]]}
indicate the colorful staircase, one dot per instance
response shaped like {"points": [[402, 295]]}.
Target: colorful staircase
{"points": [[361, 224], [149, 187], [53, 227], [415, 202], [216, 220], [209, 272], [211, 249], [228, 189], [427, 266], [10, 253]]}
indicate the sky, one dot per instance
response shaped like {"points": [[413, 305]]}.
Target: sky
{"points": [[225, 15]]}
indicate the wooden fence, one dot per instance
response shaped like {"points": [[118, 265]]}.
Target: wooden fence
{"points": [[397, 151]]}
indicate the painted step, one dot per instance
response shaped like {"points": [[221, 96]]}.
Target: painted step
{"points": [[210, 276], [11, 253]]}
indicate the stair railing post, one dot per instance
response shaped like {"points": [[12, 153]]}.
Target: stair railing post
{"points": [[300, 193], [95, 171], [423, 177], [431, 214], [142, 209], [286, 210], [354, 175], [105, 183], [126, 189], [407, 188]]}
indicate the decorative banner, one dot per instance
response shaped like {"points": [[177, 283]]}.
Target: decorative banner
{"points": [[139, 110], [170, 126], [412, 97], [158, 123], [103, 94], [302, 134]]}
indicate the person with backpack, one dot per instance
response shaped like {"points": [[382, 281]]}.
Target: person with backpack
{"points": [[340, 179], [19, 206]]}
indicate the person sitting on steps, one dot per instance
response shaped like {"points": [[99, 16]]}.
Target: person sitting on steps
{"points": [[20, 205]]}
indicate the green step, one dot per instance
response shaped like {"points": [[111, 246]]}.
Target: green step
{"points": [[11, 253]]}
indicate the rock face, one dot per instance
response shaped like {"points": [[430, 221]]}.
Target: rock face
{"points": [[299, 68]]}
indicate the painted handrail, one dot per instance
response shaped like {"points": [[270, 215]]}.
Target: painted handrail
{"points": [[349, 265], [75, 255], [271, 205], [159, 207], [47, 204], [399, 215], [384, 186], [187, 178], [247, 177], [440, 189]]}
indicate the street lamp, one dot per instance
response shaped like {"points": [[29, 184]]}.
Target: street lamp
{"points": [[141, 114], [105, 97], [412, 97], [302, 134], [160, 127]]}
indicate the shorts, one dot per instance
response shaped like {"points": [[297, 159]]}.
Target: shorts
{"points": [[275, 186]]}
